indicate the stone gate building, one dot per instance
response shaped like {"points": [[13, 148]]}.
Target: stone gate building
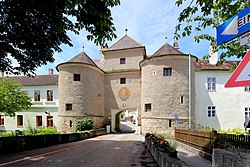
{"points": [[155, 87]]}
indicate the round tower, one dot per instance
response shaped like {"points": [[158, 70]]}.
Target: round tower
{"points": [[81, 93], [165, 90]]}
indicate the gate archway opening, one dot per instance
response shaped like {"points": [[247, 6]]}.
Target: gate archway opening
{"points": [[124, 121]]}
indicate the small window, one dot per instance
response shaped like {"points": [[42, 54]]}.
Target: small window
{"points": [[49, 121], [19, 120], [211, 84], [247, 88], [70, 123], [68, 107], [39, 121], [167, 71], [147, 107], [181, 99], [170, 123], [211, 110], [122, 61], [49, 95], [77, 77], [122, 80], [247, 112], [36, 95], [1, 120]]}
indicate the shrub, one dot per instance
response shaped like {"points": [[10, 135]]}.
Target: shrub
{"points": [[235, 131], [84, 124], [6, 134]]}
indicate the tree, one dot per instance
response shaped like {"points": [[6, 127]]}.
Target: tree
{"points": [[202, 14], [12, 99], [32, 30]]}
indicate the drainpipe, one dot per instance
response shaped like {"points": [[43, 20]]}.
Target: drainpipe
{"points": [[189, 92]]}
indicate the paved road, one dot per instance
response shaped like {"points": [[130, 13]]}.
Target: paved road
{"points": [[192, 159], [113, 150]]}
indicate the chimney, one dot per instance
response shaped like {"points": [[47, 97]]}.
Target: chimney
{"points": [[175, 44], [51, 71], [1, 74]]}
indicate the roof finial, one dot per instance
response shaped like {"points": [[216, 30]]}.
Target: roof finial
{"points": [[175, 44], [166, 37], [126, 31]]}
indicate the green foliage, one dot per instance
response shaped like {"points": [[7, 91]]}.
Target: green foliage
{"points": [[84, 124], [40, 131], [12, 99], [200, 15], [6, 134], [108, 122], [236, 131], [31, 31]]}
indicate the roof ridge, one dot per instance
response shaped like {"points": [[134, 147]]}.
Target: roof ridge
{"points": [[162, 49], [126, 42], [83, 54]]}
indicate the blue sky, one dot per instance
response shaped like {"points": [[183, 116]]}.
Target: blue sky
{"points": [[148, 22]]}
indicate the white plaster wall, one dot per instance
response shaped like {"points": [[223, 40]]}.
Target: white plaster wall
{"points": [[43, 95], [37, 109], [230, 102], [29, 118]]}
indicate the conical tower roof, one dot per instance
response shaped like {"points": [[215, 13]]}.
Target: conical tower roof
{"points": [[125, 42], [167, 49], [82, 58]]}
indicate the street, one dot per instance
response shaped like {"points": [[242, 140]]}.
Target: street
{"points": [[111, 150]]}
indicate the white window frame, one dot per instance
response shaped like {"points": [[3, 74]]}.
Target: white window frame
{"points": [[210, 109], [247, 112], [211, 84], [247, 88]]}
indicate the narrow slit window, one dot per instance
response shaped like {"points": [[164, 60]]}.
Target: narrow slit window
{"points": [[181, 99]]}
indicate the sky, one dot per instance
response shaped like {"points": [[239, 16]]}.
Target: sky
{"points": [[149, 22]]}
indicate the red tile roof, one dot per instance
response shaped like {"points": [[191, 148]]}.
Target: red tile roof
{"points": [[39, 80], [225, 66]]}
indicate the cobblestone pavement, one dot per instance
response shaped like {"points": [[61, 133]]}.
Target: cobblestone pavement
{"points": [[113, 150]]}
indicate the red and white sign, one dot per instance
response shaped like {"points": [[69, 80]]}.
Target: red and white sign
{"points": [[241, 76]]}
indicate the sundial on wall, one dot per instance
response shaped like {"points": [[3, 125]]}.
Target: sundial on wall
{"points": [[124, 93]]}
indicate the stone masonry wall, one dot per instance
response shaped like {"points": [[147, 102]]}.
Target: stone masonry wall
{"points": [[231, 157], [86, 95], [133, 58], [164, 92], [113, 86]]}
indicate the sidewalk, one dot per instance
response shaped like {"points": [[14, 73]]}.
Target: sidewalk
{"points": [[191, 158]]}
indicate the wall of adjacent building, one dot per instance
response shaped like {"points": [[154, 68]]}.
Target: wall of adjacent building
{"points": [[37, 109], [230, 102]]}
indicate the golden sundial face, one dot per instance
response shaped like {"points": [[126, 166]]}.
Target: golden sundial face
{"points": [[124, 93]]}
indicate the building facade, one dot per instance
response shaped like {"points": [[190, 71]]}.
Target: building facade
{"points": [[154, 90], [43, 90]]}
